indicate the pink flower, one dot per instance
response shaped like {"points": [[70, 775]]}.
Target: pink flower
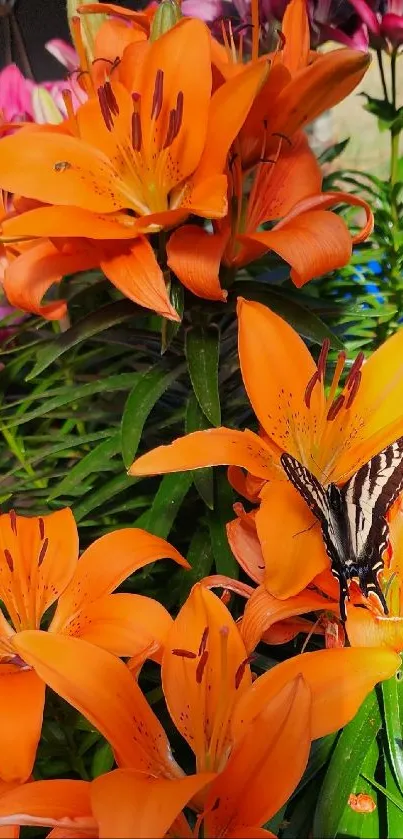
{"points": [[384, 27]]}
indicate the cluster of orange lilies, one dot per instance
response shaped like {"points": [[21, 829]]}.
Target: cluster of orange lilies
{"points": [[175, 125]]}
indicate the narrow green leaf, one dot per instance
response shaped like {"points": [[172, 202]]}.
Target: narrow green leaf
{"points": [[140, 402], [394, 801], [392, 695], [89, 326], [202, 353], [105, 495], [217, 519], [344, 768], [201, 558], [167, 502], [170, 327], [92, 462], [363, 825], [203, 479]]}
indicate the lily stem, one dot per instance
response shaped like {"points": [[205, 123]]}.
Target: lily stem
{"points": [[382, 74]]}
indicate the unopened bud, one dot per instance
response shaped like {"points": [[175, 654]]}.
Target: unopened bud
{"points": [[166, 16]]}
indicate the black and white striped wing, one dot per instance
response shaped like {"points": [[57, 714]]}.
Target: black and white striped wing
{"points": [[368, 496], [312, 491]]}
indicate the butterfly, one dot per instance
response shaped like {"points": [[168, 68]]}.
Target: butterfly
{"points": [[353, 517]]}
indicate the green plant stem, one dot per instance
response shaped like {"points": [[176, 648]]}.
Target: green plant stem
{"points": [[395, 132], [382, 74], [18, 452]]}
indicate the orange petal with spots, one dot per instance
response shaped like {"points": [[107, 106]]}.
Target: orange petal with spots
{"points": [[291, 540], [22, 698], [266, 763], [279, 405], [46, 803], [39, 558], [101, 688], [263, 610], [206, 674], [194, 255], [133, 806], [123, 624], [339, 680], [213, 447], [96, 576]]}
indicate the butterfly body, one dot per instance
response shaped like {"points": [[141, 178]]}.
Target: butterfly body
{"points": [[353, 517]]}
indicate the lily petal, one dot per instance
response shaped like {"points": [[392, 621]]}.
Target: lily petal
{"points": [[262, 610], [365, 629], [101, 688], [295, 29], [279, 405], [244, 543], [130, 805], [46, 803], [96, 575], [123, 624], [318, 87], [201, 688], [313, 243], [194, 256], [214, 447], [20, 721], [136, 273], [29, 277], [69, 221], [265, 764], [339, 680], [291, 540]]}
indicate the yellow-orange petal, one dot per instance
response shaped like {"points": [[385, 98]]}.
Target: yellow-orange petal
{"points": [[133, 806], [96, 575], [134, 270], [313, 244], [40, 556], [200, 692], [275, 387], [244, 543], [123, 624], [265, 764], [206, 198], [365, 629], [262, 610], [318, 87], [194, 255], [59, 169], [47, 803], [291, 540], [339, 680], [22, 697], [101, 688], [213, 447], [29, 277], [72, 221]]}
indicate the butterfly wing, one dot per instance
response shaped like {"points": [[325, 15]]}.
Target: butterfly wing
{"points": [[368, 495]]}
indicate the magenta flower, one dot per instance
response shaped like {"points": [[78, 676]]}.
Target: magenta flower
{"points": [[384, 27]]}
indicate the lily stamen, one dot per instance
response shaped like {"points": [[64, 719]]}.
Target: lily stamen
{"points": [[13, 521], [9, 559], [323, 359], [184, 653], [354, 390], [203, 641], [158, 95], [201, 666], [42, 552], [335, 408]]}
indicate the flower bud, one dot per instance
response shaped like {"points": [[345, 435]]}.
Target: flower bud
{"points": [[166, 16]]}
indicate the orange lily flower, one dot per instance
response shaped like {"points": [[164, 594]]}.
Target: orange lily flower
{"points": [[145, 153], [288, 187], [332, 433], [121, 803], [209, 693], [39, 565]]}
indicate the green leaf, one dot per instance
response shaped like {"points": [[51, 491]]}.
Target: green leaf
{"points": [[105, 495], [394, 801], [170, 327], [330, 154], [93, 462], [102, 761], [295, 313], [201, 559], [202, 353], [167, 502], [89, 326], [392, 695], [363, 825], [203, 479], [140, 402], [217, 519], [352, 747]]}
